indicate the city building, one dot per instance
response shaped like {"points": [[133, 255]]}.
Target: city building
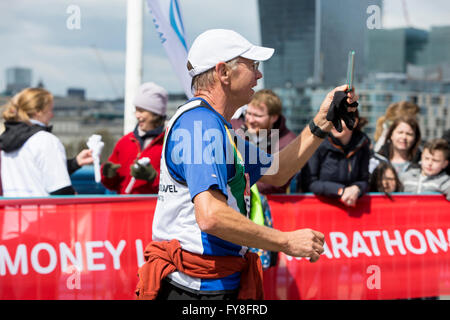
{"points": [[312, 40], [433, 98], [437, 51], [75, 120], [79, 93], [376, 93], [17, 78], [391, 50]]}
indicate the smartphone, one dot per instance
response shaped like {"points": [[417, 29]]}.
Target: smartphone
{"points": [[350, 67]]}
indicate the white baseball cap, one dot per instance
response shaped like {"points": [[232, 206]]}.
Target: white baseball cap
{"points": [[222, 45], [151, 97]]}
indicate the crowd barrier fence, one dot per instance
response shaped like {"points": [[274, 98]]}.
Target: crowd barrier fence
{"points": [[90, 247]]}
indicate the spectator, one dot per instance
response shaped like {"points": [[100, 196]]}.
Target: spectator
{"points": [[339, 167], [385, 179], [401, 147], [33, 160], [258, 124], [395, 110], [431, 176], [446, 137], [145, 141]]}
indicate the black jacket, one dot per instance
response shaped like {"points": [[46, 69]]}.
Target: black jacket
{"points": [[16, 134], [335, 166]]}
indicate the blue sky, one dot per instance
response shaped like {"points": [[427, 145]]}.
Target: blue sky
{"points": [[33, 34]]}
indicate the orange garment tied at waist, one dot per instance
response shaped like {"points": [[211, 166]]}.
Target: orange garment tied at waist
{"points": [[164, 257]]}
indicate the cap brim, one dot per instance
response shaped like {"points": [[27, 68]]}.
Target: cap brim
{"points": [[258, 53]]}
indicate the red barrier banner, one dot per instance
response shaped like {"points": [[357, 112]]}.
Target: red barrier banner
{"points": [[91, 247], [76, 248], [382, 249]]}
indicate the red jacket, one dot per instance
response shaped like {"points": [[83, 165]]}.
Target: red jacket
{"points": [[165, 257], [126, 152]]}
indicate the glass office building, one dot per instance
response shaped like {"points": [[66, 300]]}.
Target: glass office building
{"points": [[391, 50], [17, 79], [438, 47], [376, 94], [312, 39]]}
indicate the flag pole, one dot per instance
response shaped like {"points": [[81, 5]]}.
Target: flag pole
{"points": [[133, 63]]}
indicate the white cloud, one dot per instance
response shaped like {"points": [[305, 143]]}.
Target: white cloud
{"points": [[63, 67], [421, 14], [34, 34], [65, 58]]}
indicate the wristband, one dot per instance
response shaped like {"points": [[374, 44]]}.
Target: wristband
{"points": [[315, 130]]}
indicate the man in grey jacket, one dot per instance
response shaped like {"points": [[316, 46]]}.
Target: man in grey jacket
{"points": [[431, 176]]}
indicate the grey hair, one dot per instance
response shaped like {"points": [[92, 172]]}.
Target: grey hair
{"points": [[205, 80]]}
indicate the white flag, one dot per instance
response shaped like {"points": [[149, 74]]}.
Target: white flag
{"points": [[170, 29]]}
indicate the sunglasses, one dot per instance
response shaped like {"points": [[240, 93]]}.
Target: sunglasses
{"points": [[254, 64]]}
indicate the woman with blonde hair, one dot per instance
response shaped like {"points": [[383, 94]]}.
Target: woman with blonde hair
{"points": [[395, 110], [33, 160]]}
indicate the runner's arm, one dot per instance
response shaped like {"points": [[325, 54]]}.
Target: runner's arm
{"points": [[293, 157], [215, 217]]}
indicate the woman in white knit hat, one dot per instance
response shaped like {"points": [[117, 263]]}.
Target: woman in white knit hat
{"points": [[125, 171]]}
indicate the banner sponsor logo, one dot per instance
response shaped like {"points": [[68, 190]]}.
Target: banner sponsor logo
{"points": [[91, 248], [392, 243], [44, 258]]}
